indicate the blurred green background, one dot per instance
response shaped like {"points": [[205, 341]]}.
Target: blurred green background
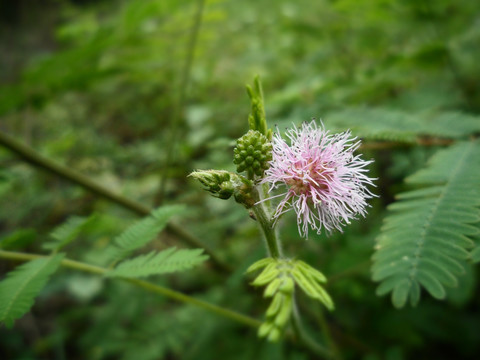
{"points": [[137, 94]]}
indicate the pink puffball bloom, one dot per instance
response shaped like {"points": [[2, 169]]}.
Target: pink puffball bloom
{"points": [[326, 183]]}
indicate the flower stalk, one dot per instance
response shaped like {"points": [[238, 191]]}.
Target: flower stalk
{"points": [[269, 232]]}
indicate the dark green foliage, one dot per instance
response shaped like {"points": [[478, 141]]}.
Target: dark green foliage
{"points": [[18, 239]]}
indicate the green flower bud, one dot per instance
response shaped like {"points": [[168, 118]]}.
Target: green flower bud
{"points": [[218, 182], [252, 153], [223, 184]]}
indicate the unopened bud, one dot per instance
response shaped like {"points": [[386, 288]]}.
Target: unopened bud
{"points": [[252, 153], [217, 182], [223, 184]]}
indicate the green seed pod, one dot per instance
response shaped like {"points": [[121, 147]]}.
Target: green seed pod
{"points": [[252, 153]]}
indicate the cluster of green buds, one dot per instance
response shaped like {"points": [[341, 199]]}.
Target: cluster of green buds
{"points": [[279, 277], [252, 153], [224, 184]]}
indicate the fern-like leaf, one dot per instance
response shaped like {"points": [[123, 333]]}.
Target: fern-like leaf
{"points": [[19, 289], [154, 263], [426, 237], [67, 232], [142, 232]]}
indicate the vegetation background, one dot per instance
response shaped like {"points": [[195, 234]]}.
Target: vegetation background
{"points": [[137, 94]]}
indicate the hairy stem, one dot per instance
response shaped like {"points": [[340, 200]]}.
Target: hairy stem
{"points": [[33, 157], [264, 219], [157, 289], [273, 247]]}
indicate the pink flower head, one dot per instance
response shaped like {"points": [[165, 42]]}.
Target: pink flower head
{"points": [[326, 183]]}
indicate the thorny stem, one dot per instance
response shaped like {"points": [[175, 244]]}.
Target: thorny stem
{"points": [[33, 157], [157, 289]]}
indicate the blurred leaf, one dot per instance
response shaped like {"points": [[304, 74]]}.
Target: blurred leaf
{"points": [[22, 285], [475, 255], [18, 239], [154, 263], [83, 287], [461, 294], [142, 232], [67, 232]]}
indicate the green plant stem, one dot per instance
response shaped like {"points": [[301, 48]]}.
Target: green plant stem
{"points": [[351, 340], [328, 336], [264, 219], [33, 157], [273, 247], [157, 289], [305, 338]]}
